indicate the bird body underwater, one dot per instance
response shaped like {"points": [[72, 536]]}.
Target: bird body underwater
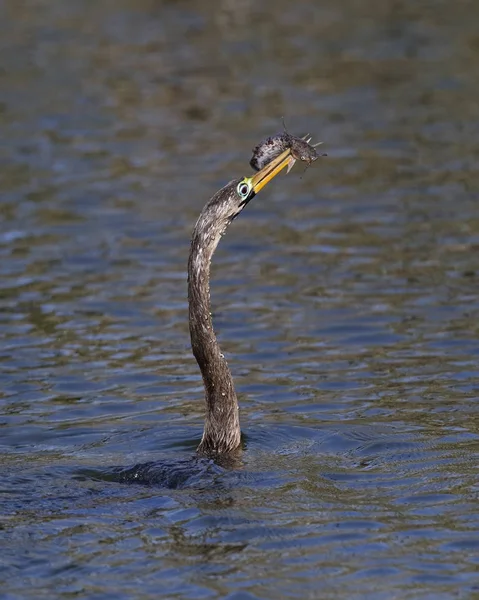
{"points": [[222, 433]]}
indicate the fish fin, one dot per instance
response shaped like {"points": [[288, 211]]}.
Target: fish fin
{"points": [[291, 162]]}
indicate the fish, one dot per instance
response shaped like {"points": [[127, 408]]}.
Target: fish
{"points": [[271, 147]]}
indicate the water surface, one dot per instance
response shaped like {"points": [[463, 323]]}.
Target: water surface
{"points": [[346, 299]]}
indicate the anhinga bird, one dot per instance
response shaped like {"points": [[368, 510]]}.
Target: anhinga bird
{"points": [[222, 432]]}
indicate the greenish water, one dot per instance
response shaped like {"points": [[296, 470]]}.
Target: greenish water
{"points": [[346, 299]]}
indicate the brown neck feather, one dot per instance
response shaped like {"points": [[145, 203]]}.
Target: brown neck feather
{"points": [[222, 428]]}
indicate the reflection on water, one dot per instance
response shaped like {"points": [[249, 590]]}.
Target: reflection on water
{"points": [[346, 299]]}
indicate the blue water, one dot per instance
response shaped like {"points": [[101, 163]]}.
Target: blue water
{"points": [[345, 298]]}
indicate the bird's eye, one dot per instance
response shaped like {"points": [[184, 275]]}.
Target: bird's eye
{"points": [[244, 189]]}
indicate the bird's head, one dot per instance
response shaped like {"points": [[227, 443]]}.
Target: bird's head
{"points": [[228, 202], [248, 187]]}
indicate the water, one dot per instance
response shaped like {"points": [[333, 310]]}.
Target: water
{"points": [[346, 299]]}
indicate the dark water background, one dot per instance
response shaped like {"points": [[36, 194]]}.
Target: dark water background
{"points": [[346, 298]]}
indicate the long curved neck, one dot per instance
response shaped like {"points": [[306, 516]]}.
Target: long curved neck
{"points": [[222, 429]]}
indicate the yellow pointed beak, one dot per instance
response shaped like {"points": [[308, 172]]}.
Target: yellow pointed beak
{"points": [[267, 173]]}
